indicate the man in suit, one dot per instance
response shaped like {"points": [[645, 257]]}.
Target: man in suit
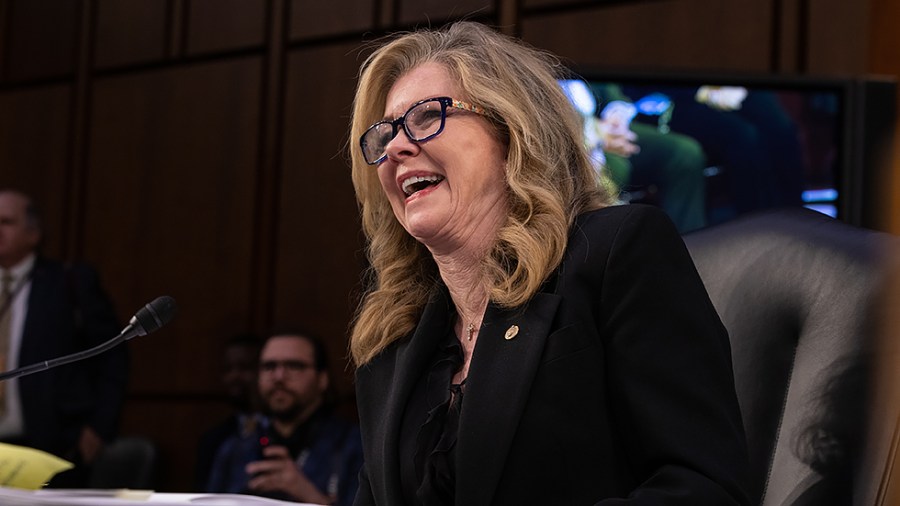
{"points": [[49, 310]]}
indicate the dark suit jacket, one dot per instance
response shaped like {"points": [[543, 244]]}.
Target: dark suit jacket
{"points": [[68, 311], [618, 388]]}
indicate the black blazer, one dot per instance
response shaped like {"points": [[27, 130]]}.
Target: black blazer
{"points": [[618, 388], [68, 311]]}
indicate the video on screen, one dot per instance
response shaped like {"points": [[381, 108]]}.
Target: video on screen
{"points": [[708, 152]]}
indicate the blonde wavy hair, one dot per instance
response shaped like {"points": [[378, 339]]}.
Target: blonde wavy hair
{"points": [[549, 175]]}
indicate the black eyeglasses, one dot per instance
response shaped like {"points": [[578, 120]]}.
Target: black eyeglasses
{"points": [[290, 366], [423, 121]]}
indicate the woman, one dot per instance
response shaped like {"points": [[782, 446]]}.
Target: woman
{"points": [[521, 343]]}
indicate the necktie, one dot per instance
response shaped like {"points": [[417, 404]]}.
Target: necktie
{"points": [[5, 329]]}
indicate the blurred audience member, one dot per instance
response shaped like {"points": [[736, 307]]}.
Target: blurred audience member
{"points": [[240, 364], [300, 451], [49, 309], [749, 135], [643, 163]]}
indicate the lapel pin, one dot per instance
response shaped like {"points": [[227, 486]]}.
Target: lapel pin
{"points": [[511, 332]]}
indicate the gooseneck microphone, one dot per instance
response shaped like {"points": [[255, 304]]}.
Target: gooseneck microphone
{"points": [[148, 319]]}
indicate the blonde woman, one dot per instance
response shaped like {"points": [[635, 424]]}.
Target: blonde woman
{"points": [[522, 342]]}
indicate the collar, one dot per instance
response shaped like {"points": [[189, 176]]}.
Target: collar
{"points": [[21, 270]]}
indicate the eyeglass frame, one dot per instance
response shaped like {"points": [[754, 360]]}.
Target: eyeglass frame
{"points": [[289, 366], [401, 121]]}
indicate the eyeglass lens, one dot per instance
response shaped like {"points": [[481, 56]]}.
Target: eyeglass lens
{"points": [[293, 366], [421, 122]]}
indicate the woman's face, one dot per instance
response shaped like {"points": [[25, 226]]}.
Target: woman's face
{"points": [[462, 199]]}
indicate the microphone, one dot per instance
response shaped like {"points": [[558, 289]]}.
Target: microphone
{"points": [[148, 319]]}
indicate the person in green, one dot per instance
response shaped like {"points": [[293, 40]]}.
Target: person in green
{"points": [[645, 163]]}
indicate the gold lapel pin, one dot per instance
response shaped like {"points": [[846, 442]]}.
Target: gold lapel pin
{"points": [[511, 332]]}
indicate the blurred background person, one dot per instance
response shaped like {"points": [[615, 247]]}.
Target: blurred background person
{"points": [[300, 451], [640, 162], [745, 133], [240, 368], [50, 309]]}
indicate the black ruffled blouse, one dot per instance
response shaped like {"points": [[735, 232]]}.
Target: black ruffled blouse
{"points": [[429, 430]]}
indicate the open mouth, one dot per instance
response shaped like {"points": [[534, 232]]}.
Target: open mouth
{"points": [[415, 184]]}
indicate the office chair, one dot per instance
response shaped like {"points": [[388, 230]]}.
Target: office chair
{"points": [[796, 291], [127, 462]]}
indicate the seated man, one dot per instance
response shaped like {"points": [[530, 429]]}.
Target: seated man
{"points": [[240, 380], [299, 451]]}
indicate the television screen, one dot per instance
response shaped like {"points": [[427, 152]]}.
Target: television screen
{"points": [[708, 149]]}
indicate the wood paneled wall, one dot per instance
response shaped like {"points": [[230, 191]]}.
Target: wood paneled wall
{"points": [[884, 58], [196, 148]]}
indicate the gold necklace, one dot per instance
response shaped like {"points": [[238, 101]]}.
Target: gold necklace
{"points": [[470, 329]]}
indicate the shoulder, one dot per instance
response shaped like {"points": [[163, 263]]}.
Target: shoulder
{"points": [[337, 427], [618, 242], [631, 226], [82, 271], [48, 267], [220, 431], [612, 219], [338, 434], [71, 271]]}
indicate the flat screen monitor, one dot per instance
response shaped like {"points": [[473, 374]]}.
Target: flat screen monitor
{"points": [[708, 148]]}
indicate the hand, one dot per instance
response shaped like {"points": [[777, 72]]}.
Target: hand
{"points": [[89, 444], [279, 473], [613, 136], [619, 141]]}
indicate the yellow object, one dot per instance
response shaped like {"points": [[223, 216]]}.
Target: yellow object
{"points": [[27, 468]]}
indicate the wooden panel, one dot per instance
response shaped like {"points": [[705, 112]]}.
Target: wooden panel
{"points": [[41, 38], [838, 37], [883, 461], [313, 18], [319, 254], [129, 32], [885, 59], [221, 25], [559, 4], [687, 34], [436, 12], [175, 426], [792, 35], [170, 200], [884, 50], [34, 127]]}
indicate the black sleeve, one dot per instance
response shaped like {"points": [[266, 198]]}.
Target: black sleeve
{"points": [[670, 376], [108, 372], [364, 492]]}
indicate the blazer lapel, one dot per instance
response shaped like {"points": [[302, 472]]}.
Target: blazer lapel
{"points": [[497, 388], [37, 315], [397, 380]]}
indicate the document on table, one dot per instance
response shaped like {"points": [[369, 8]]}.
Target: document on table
{"points": [[90, 497], [27, 468]]}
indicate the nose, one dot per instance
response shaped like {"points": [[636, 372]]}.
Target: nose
{"points": [[279, 373], [401, 146]]}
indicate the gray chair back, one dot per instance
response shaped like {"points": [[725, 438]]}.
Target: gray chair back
{"points": [[795, 289], [127, 462]]}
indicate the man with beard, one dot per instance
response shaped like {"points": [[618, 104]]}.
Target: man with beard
{"points": [[300, 451]]}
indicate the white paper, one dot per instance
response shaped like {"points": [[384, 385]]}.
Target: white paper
{"points": [[87, 497]]}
